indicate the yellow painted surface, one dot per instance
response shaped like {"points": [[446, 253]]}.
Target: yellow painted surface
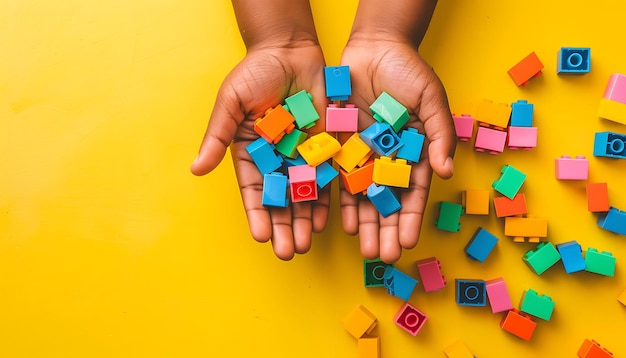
{"points": [[109, 247]]}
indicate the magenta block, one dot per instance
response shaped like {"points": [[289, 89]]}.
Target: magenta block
{"points": [[490, 140], [430, 272], [410, 319], [464, 126], [342, 119], [499, 298], [303, 184], [522, 137], [616, 88], [567, 168]]}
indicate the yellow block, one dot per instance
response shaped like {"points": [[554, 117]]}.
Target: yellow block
{"points": [[475, 201], [391, 172], [359, 322], [622, 297], [496, 114], [319, 148], [520, 228], [353, 152], [457, 350], [612, 110], [368, 347]]}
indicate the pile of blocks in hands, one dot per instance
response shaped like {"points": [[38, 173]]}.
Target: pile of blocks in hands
{"points": [[282, 145]]}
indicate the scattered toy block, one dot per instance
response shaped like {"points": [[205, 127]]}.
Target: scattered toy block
{"points": [[338, 85], [568, 168], [615, 89], [518, 324], [381, 138], [411, 143], [374, 272], [300, 105], [449, 216], [597, 197], [573, 60], [358, 179], [274, 124], [571, 256], [495, 114], [609, 144], [475, 201], [319, 148], [525, 227], [614, 221], [410, 319], [387, 109], [622, 297], [529, 67], [480, 245], [612, 110], [398, 283], [522, 138], [490, 140], [359, 322], [289, 142], [383, 198], [544, 256], [430, 273], [290, 162], [522, 113], [602, 263], [368, 347], [498, 294], [510, 207], [387, 171], [275, 190], [591, 349], [342, 119], [540, 306], [264, 156], [463, 126], [324, 174], [510, 181], [471, 292], [457, 350], [302, 183], [353, 152]]}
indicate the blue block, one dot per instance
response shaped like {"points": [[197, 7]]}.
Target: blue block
{"points": [[614, 221], [573, 60], [609, 144], [471, 292], [481, 245], [522, 113], [324, 174], [381, 138], [338, 87], [263, 155], [412, 142], [275, 190], [292, 162], [383, 199], [572, 256], [398, 283]]}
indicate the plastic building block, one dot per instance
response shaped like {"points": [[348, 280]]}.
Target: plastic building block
{"points": [[387, 171], [573, 60], [612, 110], [614, 221], [353, 152], [338, 87], [463, 126], [622, 298], [383, 199], [290, 162], [274, 124], [449, 216], [457, 350], [536, 305], [301, 107], [410, 319], [359, 322], [481, 244], [495, 114], [529, 67], [602, 263], [398, 283], [374, 272], [288, 144], [518, 324], [498, 294], [342, 119], [571, 256], [525, 227], [597, 197], [490, 140], [387, 109], [510, 207], [275, 190], [567, 168], [542, 257], [358, 179], [368, 347], [263, 155], [471, 292], [324, 174], [475, 201], [430, 273], [609, 144], [510, 181], [381, 138], [616, 88], [522, 138], [522, 113], [302, 182], [319, 148], [411, 142], [591, 349]]}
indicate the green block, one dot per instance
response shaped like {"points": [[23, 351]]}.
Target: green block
{"points": [[601, 263], [542, 257], [387, 109], [510, 181], [374, 272], [449, 216], [300, 105], [536, 305], [288, 143]]}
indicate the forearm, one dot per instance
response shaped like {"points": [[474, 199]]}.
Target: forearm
{"points": [[405, 20], [275, 22]]}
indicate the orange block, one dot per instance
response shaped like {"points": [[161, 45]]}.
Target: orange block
{"points": [[591, 349], [597, 197], [518, 324], [520, 228], [359, 321], [529, 67], [510, 207], [358, 179], [275, 124]]}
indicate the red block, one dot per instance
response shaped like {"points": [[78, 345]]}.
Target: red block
{"points": [[518, 324], [591, 349], [529, 67], [410, 319], [597, 197], [430, 272], [507, 207]]}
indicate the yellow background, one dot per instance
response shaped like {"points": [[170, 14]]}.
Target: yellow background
{"points": [[109, 247]]}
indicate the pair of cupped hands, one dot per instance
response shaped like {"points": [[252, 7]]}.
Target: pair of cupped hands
{"points": [[271, 72]]}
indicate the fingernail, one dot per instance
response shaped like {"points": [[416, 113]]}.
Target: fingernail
{"points": [[449, 164]]}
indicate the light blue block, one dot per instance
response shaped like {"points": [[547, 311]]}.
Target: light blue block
{"points": [[292, 162], [572, 256], [412, 142], [522, 113], [481, 245], [398, 283], [275, 190], [383, 199], [338, 86], [324, 174], [609, 144], [614, 221], [263, 155], [381, 138]]}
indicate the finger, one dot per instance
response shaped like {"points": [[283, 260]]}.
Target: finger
{"points": [[368, 230], [321, 208], [390, 249], [302, 226], [349, 211], [282, 238], [413, 205]]}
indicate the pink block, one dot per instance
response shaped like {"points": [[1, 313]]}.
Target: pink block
{"points": [[430, 272], [464, 126], [303, 184], [342, 119], [567, 168], [490, 140], [410, 319], [498, 295], [616, 88], [522, 138]]}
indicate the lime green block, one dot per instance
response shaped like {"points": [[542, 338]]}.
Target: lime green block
{"points": [[449, 216], [387, 109], [536, 305], [300, 105], [288, 143], [601, 263], [510, 181], [542, 257]]}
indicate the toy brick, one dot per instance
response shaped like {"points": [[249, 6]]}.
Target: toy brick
{"points": [[302, 180], [381, 138], [522, 113], [342, 119], [490, 140], [359, 321], [495, 114], [612, 110], [274, 124], [288, 144], [481, 244], [449, 216], [358, 179], [529, 67], [463, 126], [597, 197], [510, 181], [544, 256], [573, 60], [410, 319], [591, 349], [540, 306], [614, 221], [411, 142], [616, 88], [263, 156], [290, 162], [525, 227], [275, 190], [338, 86], [498, 294], [374, 272], [522, 138], [301, 107], [384, 200], [387, 109], [518, 324], [510, 207], [319, 148], [475, 201], [622, 297], [430, 273], [368, 347], [602, 263], [324, 174], [353, 152], [609, 144], [387, 171], [471, 292], [457, 350], [571, 256], [398, 283], [567, 168]]}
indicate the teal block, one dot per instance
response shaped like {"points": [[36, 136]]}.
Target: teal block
{"points": [[374, 272], [449, 216], [387, 109], [544, 256], [540, 306], [602, 263], [288, 143], [300, 105], [510, 181]]}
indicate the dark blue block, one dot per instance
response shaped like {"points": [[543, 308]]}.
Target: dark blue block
{"points": [[481, 245], [574, 60], [572, 256], [338, 86], [381, 138], [609, 144], [471, 292]]}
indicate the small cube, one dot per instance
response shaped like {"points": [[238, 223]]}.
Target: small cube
{"points": [[481, 244], [289, 142], [396, 173], [510, 181], [597, 197], [510, 207], [374, 272], [381, 138], [302, 182], [384, 200], [522, 138], [342, 119], [540, 306], [529, 67], [300, 105], [410, 319], [568, 168], [263, 156], [411, 142], [398, 283], [353, 152], [498, 294], [359, 322], [338, 86], [358, 179], [612, 110], [525, 227], [274, 124], [387, 109], [518, 324], [430, 273], [319, 148], [475, 201], [614, 221], [275, 190], [522, 113], [573, 60], [368, 347], [463, 126], [601, 263], [471, 292], [591, 349], [542, 258], [324, 174], [490, 140], [457, 350], [572, 256], [495, 114], [449, 216], [615, 89]]}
